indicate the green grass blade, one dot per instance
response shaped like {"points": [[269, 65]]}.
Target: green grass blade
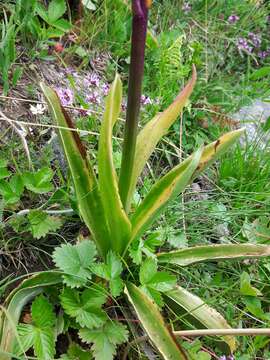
{"points": [[198, 309], [196, 254], [16, 301], [154, 324], [150, 135], [86, 186], [166, 189], [118, 221]]}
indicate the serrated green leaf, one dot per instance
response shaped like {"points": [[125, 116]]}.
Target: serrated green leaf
{"points": [[16, 301], [85, 308], [105, 339], [197, 308], [75, 352], [196, 254], [44, 345], [146, 246], [153, 295], [39, 182], [56, 9], [154, 282], [154, 324], [111, 272], [119, 223], [114, 265], [147, 270], [87, 190], [12, 190], [245, 286], [40, 334], [41, 11], [27, 337], [75, 262], [42, 312], [41, 223]]}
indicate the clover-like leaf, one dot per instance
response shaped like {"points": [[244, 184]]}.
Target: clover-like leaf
{"points": [[39, 182], [153, 281], [105, 339], [85, 307], [75, 262], [111, 272], [42, 223]]}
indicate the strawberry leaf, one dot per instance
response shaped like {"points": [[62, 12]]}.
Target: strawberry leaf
{"points": [[75, 352], [111, 272], [39, 182], [40, 333], [41, 223], [105, 339], [11, 191], [75, 262], [85, 307], [153, 281]]}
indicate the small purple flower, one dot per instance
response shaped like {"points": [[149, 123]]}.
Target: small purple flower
{"points": [[94, 98], [84, 112], [145, 100], [232, 19], [255, 39], [186, 7], [224, 357], [242, 44], [105, 88], [66, 96], [264, 54], [92, 80], [268, 19], [124, 106]]}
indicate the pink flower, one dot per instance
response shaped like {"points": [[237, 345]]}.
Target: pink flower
{"points": [[66, 96]]}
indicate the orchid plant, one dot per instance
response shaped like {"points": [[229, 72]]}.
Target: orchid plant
{"points": [[96, 275]]}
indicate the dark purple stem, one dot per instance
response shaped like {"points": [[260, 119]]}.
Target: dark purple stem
{"points": [[139, 30]]}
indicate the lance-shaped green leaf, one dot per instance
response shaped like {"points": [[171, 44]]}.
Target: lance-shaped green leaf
{"points": [[153, 131], [196, 254], [175, 180], [198, 309], [166, 189], [85, 182], [16, 301], [154, 325], [118, 221]]}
